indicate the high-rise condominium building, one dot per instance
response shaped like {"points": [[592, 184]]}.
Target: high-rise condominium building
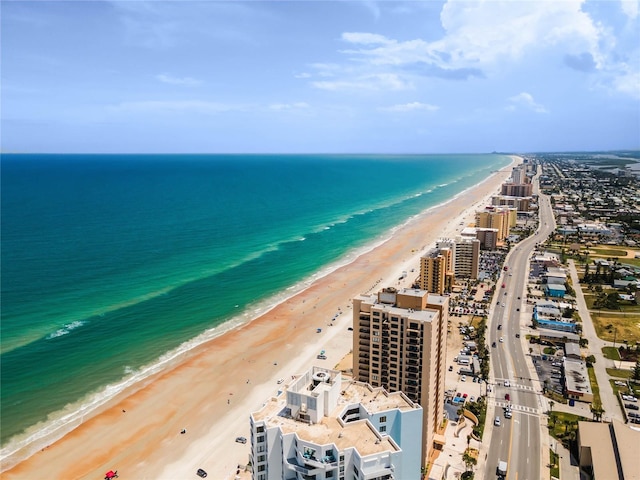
{"points": [[436, 270], [466, 255], [399, 343], [325, 427]]}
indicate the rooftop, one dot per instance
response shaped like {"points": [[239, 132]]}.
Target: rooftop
{"points": [[331, 428]]}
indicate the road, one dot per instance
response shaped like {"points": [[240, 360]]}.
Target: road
{"points": [[518, 440]]}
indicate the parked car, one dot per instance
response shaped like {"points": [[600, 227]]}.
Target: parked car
{"points": [[201, 473], [241, 440], [517, 335], [629, 398], [631, 406], [620, 383], [463, 378]]}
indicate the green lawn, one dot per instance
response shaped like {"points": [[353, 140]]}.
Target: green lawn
{"points": [[611, 353], [609, 252], [594, 387], [616, 372], [563, 426], [555, 464]]}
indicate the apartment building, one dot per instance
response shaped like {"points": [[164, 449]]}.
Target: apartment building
{"points": [[326, 427], [436, 270], [399, 343], [498, 219]]}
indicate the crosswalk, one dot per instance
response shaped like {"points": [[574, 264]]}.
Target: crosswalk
{"points": [[517, 408]]}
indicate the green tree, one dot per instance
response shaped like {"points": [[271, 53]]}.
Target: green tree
{"points": [[469, 460]]}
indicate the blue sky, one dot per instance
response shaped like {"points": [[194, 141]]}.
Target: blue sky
{"points": [[322, 76]]}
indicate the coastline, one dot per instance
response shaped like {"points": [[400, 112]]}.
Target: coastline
{"points": [[135, 432]]}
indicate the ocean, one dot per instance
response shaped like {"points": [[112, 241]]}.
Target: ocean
{"points": [[112, 265]]}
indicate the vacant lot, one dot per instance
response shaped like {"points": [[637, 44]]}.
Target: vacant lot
{"points": [[619, 327]]}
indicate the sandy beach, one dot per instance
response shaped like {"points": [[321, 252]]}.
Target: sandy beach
{"points": [[213, 390]]}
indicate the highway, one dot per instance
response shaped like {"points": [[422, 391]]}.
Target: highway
{"points": [[517, 440]]}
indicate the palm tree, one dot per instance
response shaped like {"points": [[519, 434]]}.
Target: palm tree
{"points": [[469, 460]]}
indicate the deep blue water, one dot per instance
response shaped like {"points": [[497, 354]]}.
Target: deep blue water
{"points": [[110, 261]]}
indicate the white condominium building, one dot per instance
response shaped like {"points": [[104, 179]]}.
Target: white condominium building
{"points": [[326, 427]]}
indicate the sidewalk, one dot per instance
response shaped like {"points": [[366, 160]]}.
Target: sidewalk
{"points": [[609, 401]]}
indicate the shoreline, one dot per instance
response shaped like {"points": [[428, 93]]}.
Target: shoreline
{"points": [[259, 334]]}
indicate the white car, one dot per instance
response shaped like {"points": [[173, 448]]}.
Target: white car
{"points": [[496, 422], [507, 413], [463, 378], [501, 339], [620, 384], [507, 383], [629, 398], [280, 380]]}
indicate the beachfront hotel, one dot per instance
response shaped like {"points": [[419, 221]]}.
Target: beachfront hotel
{"points": [[325, 427], [500, 219], [399, 343]]}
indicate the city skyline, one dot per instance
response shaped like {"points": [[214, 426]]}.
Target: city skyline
{"points": [[331, 77]]}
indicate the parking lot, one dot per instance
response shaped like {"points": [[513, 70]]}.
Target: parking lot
{"points": [[549, 370]]}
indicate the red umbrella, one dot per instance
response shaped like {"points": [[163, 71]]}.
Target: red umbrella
{"points": [[110, 474]]}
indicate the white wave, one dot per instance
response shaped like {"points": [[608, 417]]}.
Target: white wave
{"points": [[66, 329]]}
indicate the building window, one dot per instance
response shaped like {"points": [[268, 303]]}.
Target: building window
{"points": [[261, 468], [383, 419], [383, 428], [374, 378], [260, 439], [261, 458], [260, 429], [330, 474], [262, 476], [261, 448]]}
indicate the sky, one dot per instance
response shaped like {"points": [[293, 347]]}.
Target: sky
{"points": [[319, 76]]}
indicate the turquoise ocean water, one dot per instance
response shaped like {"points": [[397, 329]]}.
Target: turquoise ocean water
{"points": [[112, 264]]}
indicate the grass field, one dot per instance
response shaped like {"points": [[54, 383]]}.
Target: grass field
{"points": [[611, 353], [617, 327], [594, 387], [563, 426], [616, 372], [608, 252]]}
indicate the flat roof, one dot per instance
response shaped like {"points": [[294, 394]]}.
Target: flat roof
{"points": [[599, 437], [577, 377], [359, 434]]}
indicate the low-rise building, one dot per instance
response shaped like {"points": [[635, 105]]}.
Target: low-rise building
{"points": [[608, 451], [576, 381]]}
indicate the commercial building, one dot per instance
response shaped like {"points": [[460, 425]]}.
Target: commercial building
{"points": [[399, 343], [608, 451], [576, 381], [326, 427]]}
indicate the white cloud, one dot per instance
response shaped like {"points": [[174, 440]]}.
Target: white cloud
{"points": [[630, 8], [411, 107], [371, 82], [182, 106], [526, 100], [302, 75], [366, 38], [186, 81], [289, 106]]}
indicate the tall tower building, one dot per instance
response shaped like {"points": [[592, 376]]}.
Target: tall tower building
{"points": [[436, 270], [467, 258], [399, 343], [494, 219]]}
